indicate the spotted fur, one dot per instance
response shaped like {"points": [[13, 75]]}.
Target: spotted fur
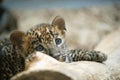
{"points": [[10, 62], [81, 55]]}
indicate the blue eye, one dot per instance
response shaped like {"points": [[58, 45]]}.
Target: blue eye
{"points": [[39, 48], [58, 41]]}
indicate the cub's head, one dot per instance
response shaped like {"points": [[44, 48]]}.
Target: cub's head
{"points": [[49, 38], [46, 38]]}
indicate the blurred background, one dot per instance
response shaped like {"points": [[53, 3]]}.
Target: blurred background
{"points": [[87, 21]]}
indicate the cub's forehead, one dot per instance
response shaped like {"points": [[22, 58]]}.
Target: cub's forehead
{"points": [[39, 30], [42, 32]]}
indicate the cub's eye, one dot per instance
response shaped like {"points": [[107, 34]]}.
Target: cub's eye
{"points": [[39, 48], [58, 41]]}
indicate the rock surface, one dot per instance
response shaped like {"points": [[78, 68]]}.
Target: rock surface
{"points": [[111, 46]]}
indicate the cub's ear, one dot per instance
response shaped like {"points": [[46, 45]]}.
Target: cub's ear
{"points": [[20, 40], [59, 23]]}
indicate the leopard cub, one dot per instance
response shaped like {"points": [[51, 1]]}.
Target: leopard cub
{"points": [[51, 41]]}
